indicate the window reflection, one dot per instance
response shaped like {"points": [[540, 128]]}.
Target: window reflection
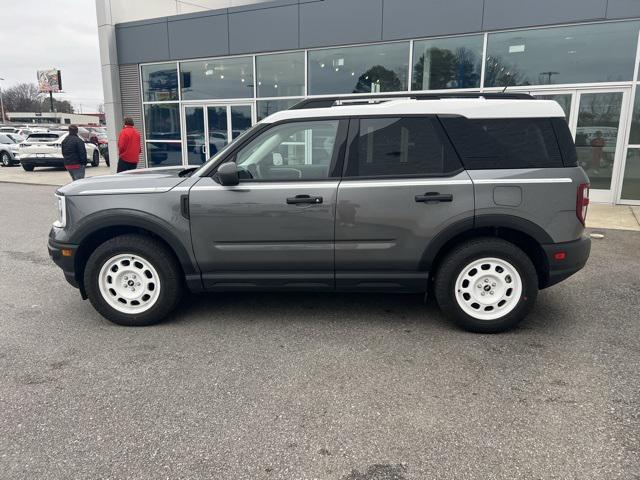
{"points": [[164, 154], [160, 82], [162, 121], [368, 69], [578, 54], [631, 180], [447, 63], [597, 135], [222, 78], [280, 75]]}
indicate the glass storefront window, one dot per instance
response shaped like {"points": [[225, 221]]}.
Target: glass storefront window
{"points": [[634, 135], [162, 121], [597, 135], [631, 179], [164, 154], [221, 78], [367, 69], [447, 63], [268, 107], [280, 75], [160, 82], [579, 54]]}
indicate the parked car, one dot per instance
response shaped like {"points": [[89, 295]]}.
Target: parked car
{"points": [[45, 150], [478, 201], [8, 150]]}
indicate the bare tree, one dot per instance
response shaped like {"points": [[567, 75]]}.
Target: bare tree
{"points": [[23, 97]]}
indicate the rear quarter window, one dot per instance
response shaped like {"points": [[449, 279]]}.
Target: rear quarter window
{"points": [[496, 143]]}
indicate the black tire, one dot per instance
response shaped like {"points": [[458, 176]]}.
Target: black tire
{"points": [[27, 167], [155, 253], [5, 159], [459, 258], [95, 159]]}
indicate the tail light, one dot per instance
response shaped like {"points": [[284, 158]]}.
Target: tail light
{"points": [[582, 202]]}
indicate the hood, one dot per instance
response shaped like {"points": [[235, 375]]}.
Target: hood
{"points": [[143, 180]]}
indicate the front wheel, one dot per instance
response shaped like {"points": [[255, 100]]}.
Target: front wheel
{"points": [[133, 280], [95, 159], [486, 285], [27, 167]]}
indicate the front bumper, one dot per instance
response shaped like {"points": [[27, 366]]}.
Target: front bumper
{"points": [[562, 266], [65, 262]]}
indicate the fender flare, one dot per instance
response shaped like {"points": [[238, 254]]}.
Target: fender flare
{"points": [[468, 225], [122, 217]]}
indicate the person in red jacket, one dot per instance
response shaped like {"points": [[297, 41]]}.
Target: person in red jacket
{"points": [[129, 147]]}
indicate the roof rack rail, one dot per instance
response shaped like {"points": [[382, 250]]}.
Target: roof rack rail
{"points": [[324, 102]]}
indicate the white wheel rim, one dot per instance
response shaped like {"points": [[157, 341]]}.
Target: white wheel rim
{"points": [[129, 283], [488, 288]]}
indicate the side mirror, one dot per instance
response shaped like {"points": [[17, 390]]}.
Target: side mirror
{"points": [[228, 174]]}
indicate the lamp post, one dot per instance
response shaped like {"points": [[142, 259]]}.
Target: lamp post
{"points": [[1, 101]]}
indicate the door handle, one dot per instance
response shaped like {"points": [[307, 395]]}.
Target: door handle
{"points": [[304, 199], [434, 197]]}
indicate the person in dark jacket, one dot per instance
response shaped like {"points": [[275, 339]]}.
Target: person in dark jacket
{"points": [[74, 153]]}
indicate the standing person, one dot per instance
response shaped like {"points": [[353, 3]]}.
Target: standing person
{"points": [[129, 147], [74, 153]]}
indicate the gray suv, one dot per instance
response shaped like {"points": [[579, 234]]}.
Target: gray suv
{"points": [[475, 198]]}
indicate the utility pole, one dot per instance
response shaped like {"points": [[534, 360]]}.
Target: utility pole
{"points": [[549, 74], [1, 101], [51, 100]]}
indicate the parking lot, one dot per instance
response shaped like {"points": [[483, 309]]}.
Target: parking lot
{"points": [[313, 386]]}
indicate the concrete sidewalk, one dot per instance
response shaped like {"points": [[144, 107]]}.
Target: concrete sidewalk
{"points": [[600, 216], [47, 175]]}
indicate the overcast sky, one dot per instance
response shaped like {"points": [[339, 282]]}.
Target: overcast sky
{"points": [[41, 34]]}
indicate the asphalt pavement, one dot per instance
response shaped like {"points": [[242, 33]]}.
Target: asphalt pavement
{"points": [[313, 386]]}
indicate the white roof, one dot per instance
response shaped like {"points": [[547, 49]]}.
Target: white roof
{"points": [[467, 107]]}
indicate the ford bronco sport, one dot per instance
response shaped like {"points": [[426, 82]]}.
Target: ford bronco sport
{"points": [[476, 198]]}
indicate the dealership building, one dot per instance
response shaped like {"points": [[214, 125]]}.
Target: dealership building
{"points": [[195, 74]]}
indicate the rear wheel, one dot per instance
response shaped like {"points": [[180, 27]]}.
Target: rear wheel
{"points": [[28, 167], [133, 280], [5, 159], [486, 285], [95, 160]]}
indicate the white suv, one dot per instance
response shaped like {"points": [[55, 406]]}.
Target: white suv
{"points": [[45, 150]]}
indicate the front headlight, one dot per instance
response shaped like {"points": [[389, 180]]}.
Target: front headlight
{"points": [[61, 203]]}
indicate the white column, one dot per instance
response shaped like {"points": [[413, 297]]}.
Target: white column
{"points": [[110, 77]]}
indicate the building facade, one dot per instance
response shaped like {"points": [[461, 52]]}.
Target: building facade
{"points": [[194, 75], [53, 118]]}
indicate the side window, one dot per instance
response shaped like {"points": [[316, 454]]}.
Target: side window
{"points": [[292, 151], [389, 147], [493, 143]]}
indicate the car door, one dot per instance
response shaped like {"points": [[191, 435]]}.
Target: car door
{"points": [[403, 188], [275, 229]]}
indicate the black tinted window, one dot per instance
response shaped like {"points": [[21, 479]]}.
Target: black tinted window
{"points": [[400, 146], [565, 142], [504, 142]]}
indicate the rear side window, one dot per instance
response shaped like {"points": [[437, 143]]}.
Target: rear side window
{"points": [[490, 143], [400, 146], [565, 142]]}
